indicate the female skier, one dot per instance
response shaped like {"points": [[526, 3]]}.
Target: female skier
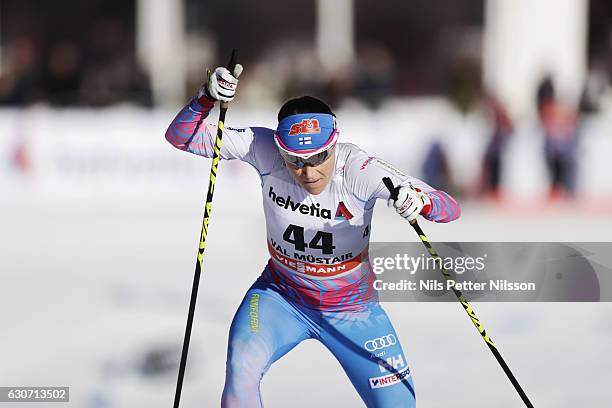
{"points": [[318, 197]]}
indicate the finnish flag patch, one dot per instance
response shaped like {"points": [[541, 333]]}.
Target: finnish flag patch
{"points": [[305, 140]]}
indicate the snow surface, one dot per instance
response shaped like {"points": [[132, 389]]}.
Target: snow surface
{"points": [[89, 286]]}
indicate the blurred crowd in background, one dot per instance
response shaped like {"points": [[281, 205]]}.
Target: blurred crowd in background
{"points": [[53, 54], [77, 55]]}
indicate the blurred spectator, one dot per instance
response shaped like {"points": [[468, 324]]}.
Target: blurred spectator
{"points": [[304, 72], [63, 74], [22, 79], [502, 129], [464, 82], [560, 127], [375, 75], [435, 169]]}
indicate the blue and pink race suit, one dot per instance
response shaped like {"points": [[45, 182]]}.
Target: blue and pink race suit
{"points": [[318, 280]]}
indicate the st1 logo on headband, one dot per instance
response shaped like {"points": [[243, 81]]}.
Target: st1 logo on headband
{"points": [[306, 126]]}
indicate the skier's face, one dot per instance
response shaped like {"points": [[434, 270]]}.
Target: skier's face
{"points": [[314, 178]]}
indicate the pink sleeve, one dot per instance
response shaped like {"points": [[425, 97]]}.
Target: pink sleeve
{"points": [[190, 132], [184, 128], [443, 208]]}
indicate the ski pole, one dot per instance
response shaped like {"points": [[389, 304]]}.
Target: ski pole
{"points": [[207, 209], [468, 309]]}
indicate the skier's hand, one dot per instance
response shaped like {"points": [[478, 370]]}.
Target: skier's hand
{"points": [[410, 202], [221, 84]]}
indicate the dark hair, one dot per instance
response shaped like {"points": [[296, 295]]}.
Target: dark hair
{"points": [[303, 104]]}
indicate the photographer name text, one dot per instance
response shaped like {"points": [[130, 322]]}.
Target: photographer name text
{"points": [[450, 284]]}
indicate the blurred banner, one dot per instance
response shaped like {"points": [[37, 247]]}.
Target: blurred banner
{"points": [[123, 151]]}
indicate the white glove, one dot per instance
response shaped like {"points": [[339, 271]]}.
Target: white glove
{"points": [[409, 203], [221, 84]]}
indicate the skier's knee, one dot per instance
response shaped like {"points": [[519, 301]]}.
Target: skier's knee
{"points": [[242, 378], [246, 366]]}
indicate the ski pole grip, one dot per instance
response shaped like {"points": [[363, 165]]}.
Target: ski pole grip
{"points": [[231, 65], [233, 61], [392, 189]]}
